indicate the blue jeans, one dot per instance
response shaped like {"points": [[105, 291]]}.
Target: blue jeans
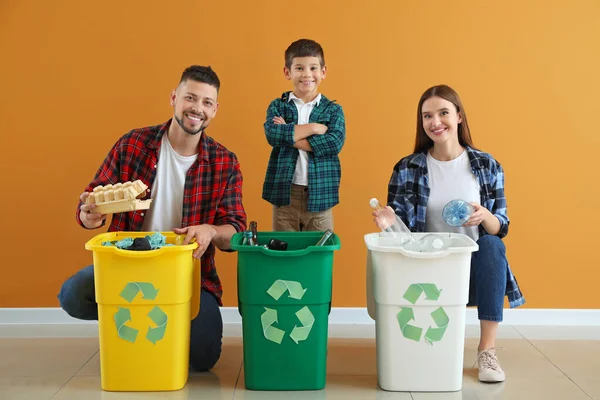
{"points": [[488, 278], [77, 297]]}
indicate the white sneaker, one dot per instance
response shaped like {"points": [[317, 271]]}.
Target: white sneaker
{"points": [[489, 367]]}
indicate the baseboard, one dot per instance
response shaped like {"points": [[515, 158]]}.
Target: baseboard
{"points": [[344, 322]]}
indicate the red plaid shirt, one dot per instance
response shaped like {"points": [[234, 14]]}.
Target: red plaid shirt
{"points": [[212, 193]]}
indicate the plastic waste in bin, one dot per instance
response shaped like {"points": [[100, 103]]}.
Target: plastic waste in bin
{"points": [[418, 301]]}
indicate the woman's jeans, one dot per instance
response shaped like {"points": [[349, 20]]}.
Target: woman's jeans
{"points": [[488, 278]]}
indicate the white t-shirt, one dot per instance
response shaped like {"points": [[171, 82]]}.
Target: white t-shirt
{"points": [[304, 110], [449, 180], [166, 210]]}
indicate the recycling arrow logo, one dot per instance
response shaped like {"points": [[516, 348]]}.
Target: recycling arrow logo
{"points": [[406, 314], [156, 315], [269, 317], [133, 288]]}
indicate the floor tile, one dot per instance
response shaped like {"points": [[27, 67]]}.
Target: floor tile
{"points": [[337, 388], [559, 332], [32, 369], [579, 360], [30, 388], [205, 385], [352, 357], [520, 387], [229, 363], [45, 357]]}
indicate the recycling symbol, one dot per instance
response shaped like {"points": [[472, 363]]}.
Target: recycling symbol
{"points": [[406, 314], [269, 317], [156, 315]]}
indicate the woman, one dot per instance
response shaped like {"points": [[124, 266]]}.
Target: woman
{"points": [[446, 166]]}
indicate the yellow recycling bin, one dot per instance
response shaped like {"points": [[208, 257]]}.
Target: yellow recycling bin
{"points": [[146, 300]]}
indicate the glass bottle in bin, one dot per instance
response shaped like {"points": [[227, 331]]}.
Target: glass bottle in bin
{"points": [[254, 230], [328, 233], [248, 240]]}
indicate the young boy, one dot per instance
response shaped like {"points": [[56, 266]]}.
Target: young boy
{"points": [[307, 132]]}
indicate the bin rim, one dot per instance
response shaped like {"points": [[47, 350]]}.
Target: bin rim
{"points": [[469, 247], [95, 244], [335, 239]]}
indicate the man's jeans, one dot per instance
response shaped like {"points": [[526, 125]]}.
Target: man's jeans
{"points": [[488, 278], [77, 298]]}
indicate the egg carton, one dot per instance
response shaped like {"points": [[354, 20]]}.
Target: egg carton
{"points": [[120, 197]]}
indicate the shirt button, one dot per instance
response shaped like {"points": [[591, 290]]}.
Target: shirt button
{"points": [[142, 214], [154, 165]]}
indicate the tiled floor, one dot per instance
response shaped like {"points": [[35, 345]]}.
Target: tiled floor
{"points": [[540, 363]]}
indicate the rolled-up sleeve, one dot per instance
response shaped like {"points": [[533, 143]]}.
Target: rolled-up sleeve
{"points": [[332, 141], [499, 209], [278, 135], [231, 210]]}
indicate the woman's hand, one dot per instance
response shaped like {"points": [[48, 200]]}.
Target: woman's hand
{"points": [[479, 214], [483, 216], [384, 217]]}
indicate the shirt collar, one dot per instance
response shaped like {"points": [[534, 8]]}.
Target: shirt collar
{"points": [[316, 100], [475, 160]]}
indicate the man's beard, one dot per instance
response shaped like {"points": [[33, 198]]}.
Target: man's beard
{"points": [[189, 131]]}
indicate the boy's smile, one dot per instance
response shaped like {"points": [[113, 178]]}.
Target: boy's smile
{"points": [[306, 74]]}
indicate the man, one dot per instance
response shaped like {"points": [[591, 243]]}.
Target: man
{"points": [[196, 187]]}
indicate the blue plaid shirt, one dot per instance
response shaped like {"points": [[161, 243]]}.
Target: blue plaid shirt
{"points": [[324, 169], [408, 194]]}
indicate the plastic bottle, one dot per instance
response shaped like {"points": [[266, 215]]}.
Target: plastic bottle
{"points": [[402, 235], [457, 212], [427, 244], [392, 223]]}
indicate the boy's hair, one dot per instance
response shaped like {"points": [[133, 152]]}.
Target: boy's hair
{"points": [[202, 74], [304, 48]]}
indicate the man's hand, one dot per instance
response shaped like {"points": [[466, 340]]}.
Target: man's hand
{"points": [[278, 121], [89, 219], [203, 234]]}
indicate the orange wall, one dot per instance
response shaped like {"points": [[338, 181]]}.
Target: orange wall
{"points": [[76, 75]]}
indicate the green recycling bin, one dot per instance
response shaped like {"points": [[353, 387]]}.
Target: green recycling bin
{"points": [[284, 298]]}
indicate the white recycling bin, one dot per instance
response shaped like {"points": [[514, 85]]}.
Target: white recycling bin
{"points": [[419, 303]]}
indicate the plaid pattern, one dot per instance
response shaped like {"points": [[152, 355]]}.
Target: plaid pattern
{"points": [[408, 194], [324, 169], [212, 192]]}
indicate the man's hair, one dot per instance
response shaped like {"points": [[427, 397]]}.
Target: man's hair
{"points": [[304, 48], [202, 74]]}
